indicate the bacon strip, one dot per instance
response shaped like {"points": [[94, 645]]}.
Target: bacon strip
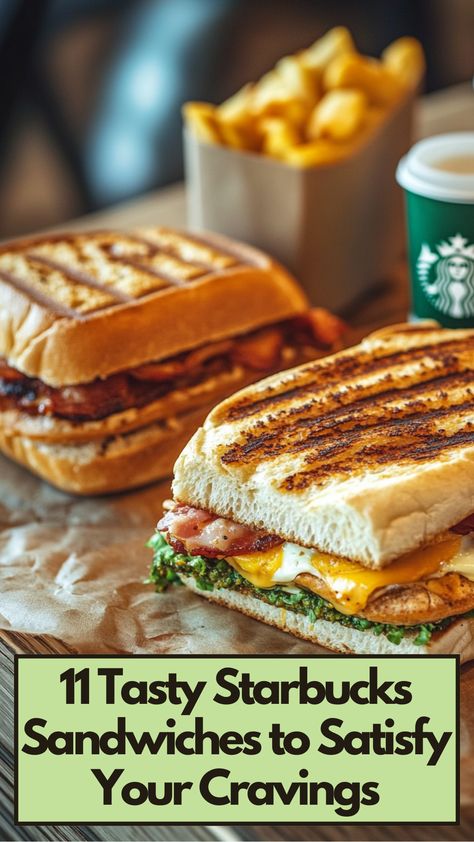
{"points": [[197, 532], [87, 402], [258, 351], [464, 527], [322, 326], [184, 364]]}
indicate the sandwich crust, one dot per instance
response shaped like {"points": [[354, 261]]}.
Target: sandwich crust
{"points": [[109, 464], [367, 454], [81, 306]]}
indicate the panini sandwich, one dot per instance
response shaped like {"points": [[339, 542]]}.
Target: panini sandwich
{"points": [[114, 346], [335, 501]]}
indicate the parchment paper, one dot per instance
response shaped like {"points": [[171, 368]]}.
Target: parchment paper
{"points": [[75, 568]]}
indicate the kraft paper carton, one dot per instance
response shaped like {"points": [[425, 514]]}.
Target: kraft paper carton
{"points": [[338, 228]]}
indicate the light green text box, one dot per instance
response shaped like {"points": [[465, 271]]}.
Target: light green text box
{"points": [[61, 788]]}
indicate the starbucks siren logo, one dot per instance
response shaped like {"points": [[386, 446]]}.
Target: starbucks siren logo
{"points": [[447, 276]]}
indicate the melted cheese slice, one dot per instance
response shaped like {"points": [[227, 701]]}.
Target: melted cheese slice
{"points": [[350, 583]]}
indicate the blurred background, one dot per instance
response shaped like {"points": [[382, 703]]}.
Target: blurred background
{"points": [[91, 90]]}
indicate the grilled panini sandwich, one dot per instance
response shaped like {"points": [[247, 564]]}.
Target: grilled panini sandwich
{"points": [[335, 500], [114, 346]]}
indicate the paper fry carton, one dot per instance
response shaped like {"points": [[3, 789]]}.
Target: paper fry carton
{"points": [[338, 227]]}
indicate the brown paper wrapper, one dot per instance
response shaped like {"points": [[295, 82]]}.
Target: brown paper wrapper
{"points": [[75, 569]]}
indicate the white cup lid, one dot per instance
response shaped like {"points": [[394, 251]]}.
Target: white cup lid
{"points": [[422, 170]]}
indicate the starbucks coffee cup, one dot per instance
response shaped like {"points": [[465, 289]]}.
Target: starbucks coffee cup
{"points": [[438, 179]]}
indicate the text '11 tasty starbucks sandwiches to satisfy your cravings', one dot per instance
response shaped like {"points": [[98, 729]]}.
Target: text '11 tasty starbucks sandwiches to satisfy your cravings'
{"points": [[114, 346], [335, 500]]}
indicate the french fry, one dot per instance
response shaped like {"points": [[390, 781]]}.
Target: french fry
{"points": [[280, 103], [316, 153], [289, 86], [233, 136], [200, 117], [297, 79], [296, 112], [405, 59], [336, 42], [237, 110], [373, 118], [236, 120], [339, 115], [278, 136], [269, 95], [367, 74], [315, 107]]}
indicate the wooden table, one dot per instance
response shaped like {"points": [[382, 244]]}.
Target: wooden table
{"points": [[450, 110]]}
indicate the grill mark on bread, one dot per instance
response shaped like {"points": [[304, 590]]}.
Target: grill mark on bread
{"points": [[203, 267], [426, 447], [414, 405], [328, 443], [185, 270], [165, 278], [41, 299], [53, 284], [225, 257], [125, 272], [399, 428], [116, 268], [353, 414], [80, 278], [343, 370]]}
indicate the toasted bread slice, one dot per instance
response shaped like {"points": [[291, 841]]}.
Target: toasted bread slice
{"points": [[76, 307], [367, 454], [112, 463]]}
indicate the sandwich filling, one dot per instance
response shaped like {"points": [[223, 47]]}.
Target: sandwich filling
{"points": [[262, 351], [418, 593]]}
